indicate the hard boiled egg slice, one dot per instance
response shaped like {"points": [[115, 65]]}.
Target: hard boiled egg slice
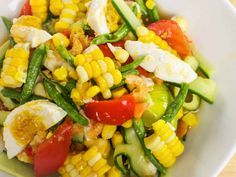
{"points": [[96, 16], [34, 36], [26, 120], [164, 65]]}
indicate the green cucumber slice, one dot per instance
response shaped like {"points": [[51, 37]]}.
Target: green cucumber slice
{"points": [[127, 15], [205, 88], [7, 102], [15, 167], [192, 61], [133, 150], [158, 100], [193, 104], [3, 116]]}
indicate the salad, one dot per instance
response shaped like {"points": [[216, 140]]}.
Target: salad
{"points": [[93, 88]]}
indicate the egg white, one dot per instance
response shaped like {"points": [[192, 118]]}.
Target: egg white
{"points": [[50, 113], [96, 16], [162, 63]]}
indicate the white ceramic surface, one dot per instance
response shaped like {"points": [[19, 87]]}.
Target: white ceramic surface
{"points": [[212, 27]]}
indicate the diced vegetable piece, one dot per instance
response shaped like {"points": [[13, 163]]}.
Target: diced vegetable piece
{"points": [[106, 111], [52, 153], [15, 167], [205, 88], [33, 72], [140, 165], [175, 106], [159, 100], [3, 116], [127, 15]]}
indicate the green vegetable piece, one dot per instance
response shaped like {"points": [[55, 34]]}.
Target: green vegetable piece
{"points": [[175, 106], [15, 167], [65, 54], [3, 116], [49, 26], [130, 72], [132, 65], [114, 37], [127, 15], [3, 50], [65, 93], [8, 23], [61, 102], [158, 99], [154, 15], [7, 102], [140, 132], [143, 7], [133, 150], [16, 95], [33, 72], [70, 85]]}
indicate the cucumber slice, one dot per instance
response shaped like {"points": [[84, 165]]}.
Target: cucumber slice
{"points": [[158, 100], [127, 15], [3, 116], [7, 102], [134, 152], [192, 61], [204, 66], [193, 104], [205, 88], [15, 167]]}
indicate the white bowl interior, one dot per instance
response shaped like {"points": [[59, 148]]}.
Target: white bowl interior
{"points": [[212, 27]]}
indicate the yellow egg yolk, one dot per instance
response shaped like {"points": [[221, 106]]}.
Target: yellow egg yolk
{"points": [[25, 125]]}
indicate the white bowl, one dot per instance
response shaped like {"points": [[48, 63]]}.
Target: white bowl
{"points": [[212, 27]]}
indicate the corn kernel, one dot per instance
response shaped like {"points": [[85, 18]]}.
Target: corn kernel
{"points": [[60, 26], [90, 153], [56, 7], [75, 95], [121, 55], [60, 39], [150, 4], [88, 69], [102, 83], [82, 74], [76, 158], [117, 138], [142, 31], [117, 76], [114, 172], [99, 164], [110, 64], [103, 170], [182, 22], [190, 119], [79, 60], [86, 171], [164, 45], [106, 94], [127, 124], [108, 131], [60, 74], [92, 91], [119, 92], [82, 7], [96, 69], [73, 74]]}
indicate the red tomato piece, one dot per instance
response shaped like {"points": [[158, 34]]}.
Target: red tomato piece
{"points": [[26, 9], [106, 51], [52, 153], [142, 71], [114, 112], [170, 31], [66, 32]]}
